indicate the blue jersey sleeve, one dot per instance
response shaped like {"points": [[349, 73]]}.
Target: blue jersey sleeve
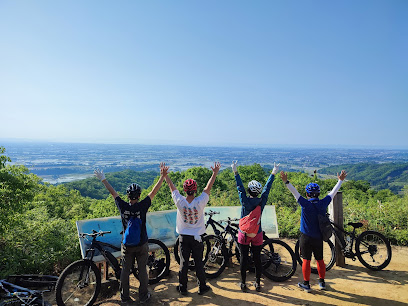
{"points": [[266, 190], [241, 190], [302, 201]]}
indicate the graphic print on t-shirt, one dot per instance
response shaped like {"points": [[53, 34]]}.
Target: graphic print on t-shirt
{"points": [[190, 216]]}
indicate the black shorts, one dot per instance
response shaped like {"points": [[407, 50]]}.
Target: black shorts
{"points": [[309, 245]]}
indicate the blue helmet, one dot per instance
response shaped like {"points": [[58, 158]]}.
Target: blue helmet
{"points": [[312, 188]]}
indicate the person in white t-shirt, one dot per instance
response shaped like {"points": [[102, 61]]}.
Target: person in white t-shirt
{"points": [[190, 226]]}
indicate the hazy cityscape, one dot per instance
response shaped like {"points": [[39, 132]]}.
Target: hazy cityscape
{"points": [[64, 162]]}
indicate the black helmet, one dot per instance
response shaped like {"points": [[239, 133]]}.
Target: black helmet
{"points": [[134, 191]]}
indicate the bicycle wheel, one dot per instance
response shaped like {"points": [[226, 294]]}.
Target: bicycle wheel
{"points": [[215, 256], [176, 251], [78, 284], [158, 262], [329, 256], [278, 260], [373, 250]]}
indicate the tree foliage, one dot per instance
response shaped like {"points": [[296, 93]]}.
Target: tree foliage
{"points": [[393, 176], [37, 221]]}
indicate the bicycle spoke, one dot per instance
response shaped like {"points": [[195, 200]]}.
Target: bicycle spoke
{"points": [[373, 250]]}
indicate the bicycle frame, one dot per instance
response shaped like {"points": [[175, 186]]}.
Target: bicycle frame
{"points": [[346, 246], [24, 295], [109, 258]]}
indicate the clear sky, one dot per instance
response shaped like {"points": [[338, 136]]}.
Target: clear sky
{"points": [[327, 73]]}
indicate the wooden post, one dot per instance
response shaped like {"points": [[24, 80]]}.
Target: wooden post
{"points": [[338, 219], [103, 268]]}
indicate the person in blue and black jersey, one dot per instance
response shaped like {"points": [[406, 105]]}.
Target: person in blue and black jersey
{"points": [[138, 209], [310, 240], [249, 203]]}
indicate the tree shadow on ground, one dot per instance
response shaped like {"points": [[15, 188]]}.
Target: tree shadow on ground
{"points": [[361, 273]]}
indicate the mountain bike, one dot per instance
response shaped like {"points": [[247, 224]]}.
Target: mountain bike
{"points": [[372, 248], [12, 294], [278, 259], [217, 228], [80, 282]]}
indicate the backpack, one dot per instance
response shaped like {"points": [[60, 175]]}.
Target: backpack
{"points": [[249, 224], [326, 229], [132, 235]]}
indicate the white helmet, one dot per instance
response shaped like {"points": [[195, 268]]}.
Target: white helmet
{"points": [[255, 187]]}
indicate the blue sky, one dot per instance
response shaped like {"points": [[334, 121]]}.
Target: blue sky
{"points": [[326, 73]]}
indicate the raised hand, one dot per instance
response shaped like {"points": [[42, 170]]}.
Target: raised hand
{"points": [[234, 166], [99, 174], [216, 167], [275, 168], [163, 169], [342, 175], [284, 176]]}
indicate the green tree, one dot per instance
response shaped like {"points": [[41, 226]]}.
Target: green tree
{"points": [[17, 188]]}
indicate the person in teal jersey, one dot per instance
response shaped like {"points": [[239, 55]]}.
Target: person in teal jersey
{"points": [[249, 203]]}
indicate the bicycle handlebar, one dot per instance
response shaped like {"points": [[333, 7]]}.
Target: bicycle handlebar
{"points": [[94, 234], [211, 213]]}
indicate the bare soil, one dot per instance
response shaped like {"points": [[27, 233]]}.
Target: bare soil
{"points": [[351, 285]]}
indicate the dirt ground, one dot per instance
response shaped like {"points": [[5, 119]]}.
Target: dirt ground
{"points": [[352, 285]]}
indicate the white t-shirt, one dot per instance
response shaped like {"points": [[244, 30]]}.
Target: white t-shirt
{"points": [[190, 216]]}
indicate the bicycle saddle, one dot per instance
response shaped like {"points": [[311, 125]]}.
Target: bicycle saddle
{"points": [[355, 224]]}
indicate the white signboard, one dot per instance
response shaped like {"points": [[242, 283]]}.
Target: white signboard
{"points": [[161, 225]]}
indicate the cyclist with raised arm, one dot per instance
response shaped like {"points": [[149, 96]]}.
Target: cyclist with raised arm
{"points": [[190, 225], [249, 204], [128, 210], [310, 240]]}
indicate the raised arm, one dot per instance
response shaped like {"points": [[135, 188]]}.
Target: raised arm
{"points": [[163, 174], [211, 181], [336, 188], [292, 189], [101, 176], [170, 183], [268, 185]]}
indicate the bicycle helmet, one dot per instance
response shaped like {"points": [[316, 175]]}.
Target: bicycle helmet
{"points": [[190, 186], [134, 191], [255, 187], [312, 188]]}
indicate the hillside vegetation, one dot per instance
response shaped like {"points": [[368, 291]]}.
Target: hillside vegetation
{"points": [[119, 180], [37, 221], [393, 176]]}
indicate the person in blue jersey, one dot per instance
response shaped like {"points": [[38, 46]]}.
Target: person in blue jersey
{"points": [[249, 203], [138, 209], [310, 240], [190, 225]]}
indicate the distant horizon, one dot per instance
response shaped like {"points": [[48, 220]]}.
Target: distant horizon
{"points": [[243, 145]]}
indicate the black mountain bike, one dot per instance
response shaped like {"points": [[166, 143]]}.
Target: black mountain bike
{"points": [[229, 233], [278, 259], [80, 282], [372, 249], [210, 220], [12, 294]]}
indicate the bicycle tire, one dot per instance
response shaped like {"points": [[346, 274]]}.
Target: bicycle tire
{"points": [[216, 258], [250, 264], [76, 286], [158, 262], [329, 256], [278, 259], [365, 245]]}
